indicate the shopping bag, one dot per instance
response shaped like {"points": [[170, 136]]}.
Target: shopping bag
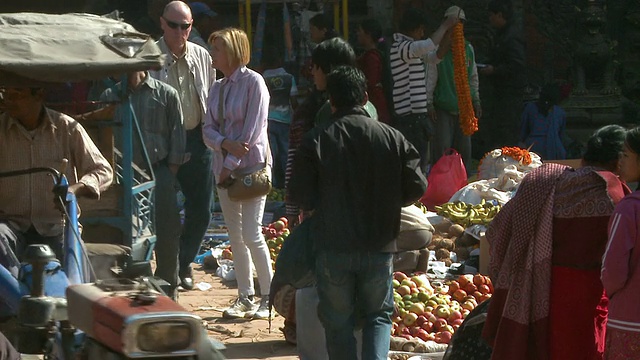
{"points": [[447, 176]]}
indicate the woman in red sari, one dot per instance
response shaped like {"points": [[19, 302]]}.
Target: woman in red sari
{"points": [[372, 64], [546, 251]]}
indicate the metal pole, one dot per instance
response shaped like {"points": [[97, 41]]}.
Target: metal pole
{"points": [[241, 16], [127, 168], [248, 15], [345, 19], [336, 16]]}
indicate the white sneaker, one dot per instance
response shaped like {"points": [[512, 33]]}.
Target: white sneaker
{"points": [[262, 313], [240, 308]]}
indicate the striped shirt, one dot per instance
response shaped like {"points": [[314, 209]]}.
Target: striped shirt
{"points": [[28, 199], [245, 110], [408, 72]]}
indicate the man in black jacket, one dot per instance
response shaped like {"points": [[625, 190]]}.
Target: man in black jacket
{"points": [[506, 72], [355, 174]]}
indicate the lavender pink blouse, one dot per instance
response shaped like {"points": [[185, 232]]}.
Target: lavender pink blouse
{"points": [[246, 106]]}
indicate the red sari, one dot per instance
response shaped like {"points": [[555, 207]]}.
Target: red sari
{"points": [[371, 65], [546, 247], [585, 200]]}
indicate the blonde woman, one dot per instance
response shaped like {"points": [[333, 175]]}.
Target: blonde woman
{"points": [[239, 140]]}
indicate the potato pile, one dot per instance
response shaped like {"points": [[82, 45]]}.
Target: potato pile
{"points": [[450, 237]]}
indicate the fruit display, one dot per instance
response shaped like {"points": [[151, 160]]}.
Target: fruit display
{"points": [[466, 214], [274, 234], [433, 311]]}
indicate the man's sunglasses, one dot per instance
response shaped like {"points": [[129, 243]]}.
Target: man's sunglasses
{"points": [[175, 25]]}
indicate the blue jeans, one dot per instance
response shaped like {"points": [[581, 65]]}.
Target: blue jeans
{"points": [[196, 181], [279, 143], [355, 288]]}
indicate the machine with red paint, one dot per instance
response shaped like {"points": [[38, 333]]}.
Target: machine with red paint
{"points": [[129, 318]]}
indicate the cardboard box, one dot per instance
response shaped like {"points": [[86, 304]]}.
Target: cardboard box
{"points": [[485, 256]]}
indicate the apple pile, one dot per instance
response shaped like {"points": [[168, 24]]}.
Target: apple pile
{"points": [[434, 311], [274, 235]]}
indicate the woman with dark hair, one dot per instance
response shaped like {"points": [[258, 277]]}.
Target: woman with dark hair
{"points": [[320, 29], [543, 125], [374, 64], [621, 263], [547, 245]]}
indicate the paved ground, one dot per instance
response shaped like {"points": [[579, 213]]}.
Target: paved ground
{"points": [[244, 339]]}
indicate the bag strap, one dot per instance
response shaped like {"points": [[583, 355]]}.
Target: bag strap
{"points": [[221, 113], [221, 108]]}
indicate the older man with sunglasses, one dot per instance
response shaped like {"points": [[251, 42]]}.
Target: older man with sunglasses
{"points": [[188, 68]]}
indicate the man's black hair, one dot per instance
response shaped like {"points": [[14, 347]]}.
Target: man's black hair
{"points": [[331, 53], [322, 22], [346, 86], [501, 6], [412, 19], [372, 28]]}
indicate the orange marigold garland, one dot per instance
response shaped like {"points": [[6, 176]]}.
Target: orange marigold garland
{"points": [[518, 154], [467, 116]]}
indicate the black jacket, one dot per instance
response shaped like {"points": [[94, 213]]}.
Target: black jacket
{"points": [[355, 174], [508, 60]]}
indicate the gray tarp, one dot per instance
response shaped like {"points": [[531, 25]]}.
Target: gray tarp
{"points": [[37, 47]]}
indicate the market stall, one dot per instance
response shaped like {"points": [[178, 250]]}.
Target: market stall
{"points": [[433, 296]]}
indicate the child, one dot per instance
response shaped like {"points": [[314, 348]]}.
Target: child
{"points": [[283, 90], [621, 263]]}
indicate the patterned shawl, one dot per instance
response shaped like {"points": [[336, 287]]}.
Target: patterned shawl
{"points": [[521, 238]]}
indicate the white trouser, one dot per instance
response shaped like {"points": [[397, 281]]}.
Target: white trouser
{"points": [[244, 223]]}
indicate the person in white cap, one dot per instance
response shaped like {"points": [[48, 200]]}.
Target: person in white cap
{"points": [[442, 100]]}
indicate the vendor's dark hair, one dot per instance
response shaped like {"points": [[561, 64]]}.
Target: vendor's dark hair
{"points": [[632, 140], [605, 145], [501, 6], [372, 28], [347, 86], [322, 22], [331, 53], [412, 19]]}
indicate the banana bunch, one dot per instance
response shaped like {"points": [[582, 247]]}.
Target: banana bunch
{"points": [[421, 206], [466, 214]]}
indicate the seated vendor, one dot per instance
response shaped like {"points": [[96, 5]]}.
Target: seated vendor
{"points": [[34, 136], [414, 236], [415, 229]]}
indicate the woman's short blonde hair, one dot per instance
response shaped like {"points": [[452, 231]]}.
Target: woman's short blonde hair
{"points": [[237, 43]]}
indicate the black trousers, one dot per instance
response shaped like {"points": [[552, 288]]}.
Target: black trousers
{"points": [[419, 130]]}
